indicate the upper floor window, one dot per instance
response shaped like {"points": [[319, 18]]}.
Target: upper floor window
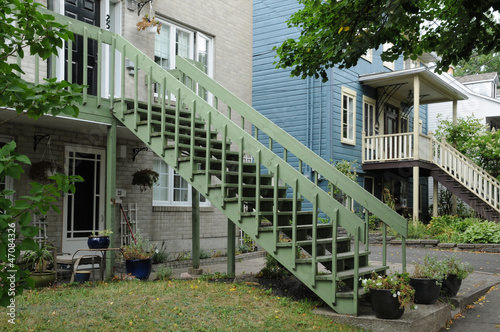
{"points": [[176, 40], [171, 189], [409, 63], [388, 64], [348, 116], [368, 56], [369, 115]]}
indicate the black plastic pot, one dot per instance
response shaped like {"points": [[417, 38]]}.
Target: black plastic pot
{"points": [[385, 305], [426, 290], [451, 285]]}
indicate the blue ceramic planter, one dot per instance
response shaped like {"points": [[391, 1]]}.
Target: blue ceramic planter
{"points": [[82, 276], [98, 242], [139, 268]]}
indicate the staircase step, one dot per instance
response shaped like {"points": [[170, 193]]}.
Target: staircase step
{"points": [[289, 228], [142, 115], [328, 258], [155, 108], [201, 151], [185, 138], [310, 242], [199, 132], [349, 274], [232, 176], [215, 164]]}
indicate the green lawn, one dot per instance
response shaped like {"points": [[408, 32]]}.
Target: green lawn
{"points": [[174, 305]]}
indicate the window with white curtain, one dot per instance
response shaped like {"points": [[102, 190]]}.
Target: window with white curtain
{"points": [[176, 40], [348, 116], [171, 189]]}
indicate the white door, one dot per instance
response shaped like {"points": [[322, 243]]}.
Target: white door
{"points": [[84, 211]]}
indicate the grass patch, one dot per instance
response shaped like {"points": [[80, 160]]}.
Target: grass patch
{"points": [[174, 305]]}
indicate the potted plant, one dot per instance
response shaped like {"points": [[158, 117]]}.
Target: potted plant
{"points": [[138, 258], [39, 261], [150, 24], [41, 170], [427, 278], [389, 294], [455, 271], [100, 241], [145, 178]]}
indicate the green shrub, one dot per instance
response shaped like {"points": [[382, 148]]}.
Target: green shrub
{"points": [[374, 222], [273, 269], [417, 230], [164, 273], [482, 232], [160, 255], [204, 254]]}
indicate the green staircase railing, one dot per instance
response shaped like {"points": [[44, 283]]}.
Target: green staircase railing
{"points": [[209, 149]]}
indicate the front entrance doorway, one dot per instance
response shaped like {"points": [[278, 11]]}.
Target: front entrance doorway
{"points": [[84, 211]]}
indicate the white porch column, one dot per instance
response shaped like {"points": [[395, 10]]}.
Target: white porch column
{"points": [[435, 198], [454, 121], [416, 134]]}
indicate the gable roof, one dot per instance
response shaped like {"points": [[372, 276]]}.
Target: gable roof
{"points": [[477, 78]]}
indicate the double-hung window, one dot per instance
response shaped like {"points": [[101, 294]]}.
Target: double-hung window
{"points": [[369, 120], [176, 40], [348, 116], [171, 189]]}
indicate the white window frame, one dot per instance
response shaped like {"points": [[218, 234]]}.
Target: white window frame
{"points": [[351, 125], [368, 56], [409, 63], [170, 201], [195, 40], [372, 189], [370, 102], [388, 64]]}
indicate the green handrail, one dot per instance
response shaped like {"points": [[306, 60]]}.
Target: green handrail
{"points": [[292, 145]]}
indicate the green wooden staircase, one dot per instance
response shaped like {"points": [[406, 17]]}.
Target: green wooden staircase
{"points": [[202, 131]]}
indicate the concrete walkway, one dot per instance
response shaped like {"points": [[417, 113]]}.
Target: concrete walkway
{"points": [[485, 316]]}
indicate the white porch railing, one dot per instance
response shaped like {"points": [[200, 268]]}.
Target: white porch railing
{"points": [[392, 147], [399, 147], [465, 171]]}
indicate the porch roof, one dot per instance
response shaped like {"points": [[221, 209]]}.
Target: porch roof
{"points": [[433, 89]]}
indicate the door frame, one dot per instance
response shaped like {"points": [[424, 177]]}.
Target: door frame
{"points": [[110, 20], [71, 245]]}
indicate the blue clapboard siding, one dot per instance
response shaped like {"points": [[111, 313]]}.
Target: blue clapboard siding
{"points": [[308, 109]]}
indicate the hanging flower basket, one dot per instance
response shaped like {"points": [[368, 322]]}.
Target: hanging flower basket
{"points": [[41, 170], [147, 23], [145, 178]]}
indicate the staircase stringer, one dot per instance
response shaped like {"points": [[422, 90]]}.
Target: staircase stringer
{"points": [[295, 147]]}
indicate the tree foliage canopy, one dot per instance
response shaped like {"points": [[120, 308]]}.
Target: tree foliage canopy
{"points": [[474, 140], [23, 27], [339, 32], [485, 63]]}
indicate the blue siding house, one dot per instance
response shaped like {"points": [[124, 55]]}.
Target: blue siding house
{"points": [[363, 114]]}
